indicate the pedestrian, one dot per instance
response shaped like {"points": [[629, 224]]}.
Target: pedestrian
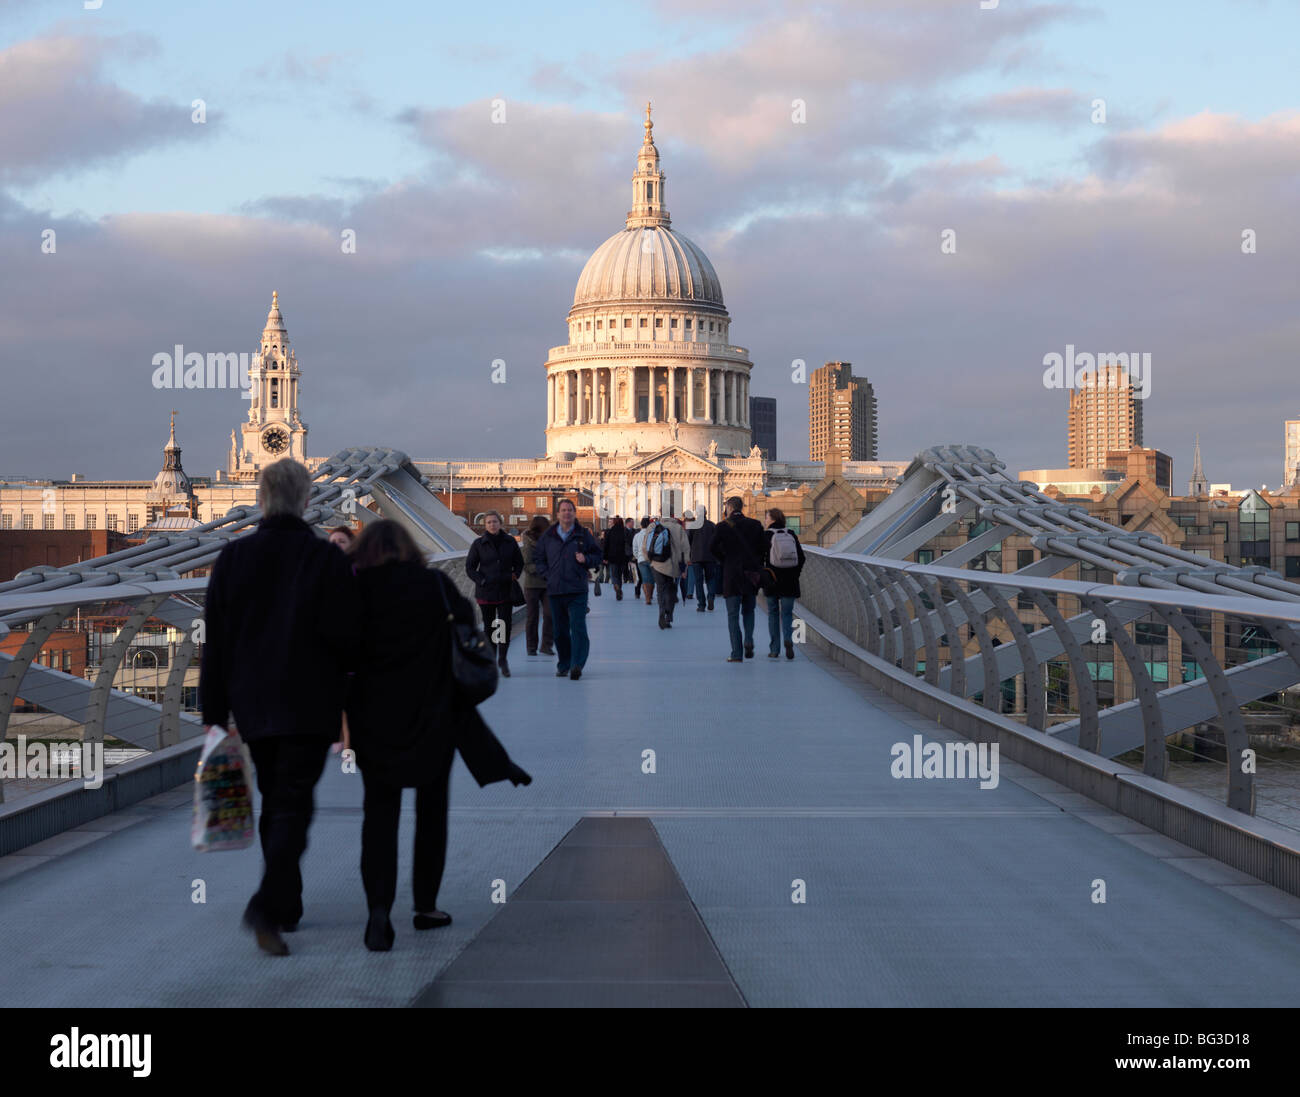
{"points": [[494, 562], [407, 721], [704, 568], [645, 583], [667, 549], [341, 536], [785, 559], [629, 568], [614, 548], [563, 555], [535, 596], [738, 545], [281, 620]]}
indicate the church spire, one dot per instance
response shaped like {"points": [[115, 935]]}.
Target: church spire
{"points": [[1198, 485], [648, 184]]}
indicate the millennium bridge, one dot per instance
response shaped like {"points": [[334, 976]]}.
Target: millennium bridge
{"points": [[770, 834]]}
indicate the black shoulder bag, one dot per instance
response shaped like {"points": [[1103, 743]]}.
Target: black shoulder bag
{"points": [[473, 665]]}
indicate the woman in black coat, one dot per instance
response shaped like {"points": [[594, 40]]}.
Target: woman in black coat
{"points": [[613, 547], [406, 721], [494, 563]]}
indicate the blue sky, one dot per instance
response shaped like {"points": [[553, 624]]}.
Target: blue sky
{"points": [[922, 115]]}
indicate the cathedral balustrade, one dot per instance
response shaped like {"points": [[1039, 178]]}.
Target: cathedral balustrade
{"points": [[666, 347]]}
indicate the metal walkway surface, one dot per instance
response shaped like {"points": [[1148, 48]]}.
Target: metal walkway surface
{"points": [[918, 892]]}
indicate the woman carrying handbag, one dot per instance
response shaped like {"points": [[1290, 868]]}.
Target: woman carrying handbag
{"points": [[411, 705]]}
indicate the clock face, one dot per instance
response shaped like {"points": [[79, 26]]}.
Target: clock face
{"points": [[275, 440]]}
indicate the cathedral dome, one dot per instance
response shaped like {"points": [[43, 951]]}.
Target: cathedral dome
{"points": [[649, 262]]}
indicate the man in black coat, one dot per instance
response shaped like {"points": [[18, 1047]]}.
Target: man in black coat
{"points": [[738, 546], [704, 568], [281, 617]]}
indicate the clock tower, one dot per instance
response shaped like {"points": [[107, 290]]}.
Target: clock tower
{"points": [[274, 428]]}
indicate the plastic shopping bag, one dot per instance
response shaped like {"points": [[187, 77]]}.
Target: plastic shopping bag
{"points": [[223, 794]]}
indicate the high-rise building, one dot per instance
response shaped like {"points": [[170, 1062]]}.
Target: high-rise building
{"points": [[1291, 461], [841, 414], [762, 417], [1105, 415]]}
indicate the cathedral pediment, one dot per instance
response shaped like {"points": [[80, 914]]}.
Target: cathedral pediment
{"points": [[675, 461]]}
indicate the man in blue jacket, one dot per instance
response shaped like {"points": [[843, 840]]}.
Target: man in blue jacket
{"points": [[563, 555]]}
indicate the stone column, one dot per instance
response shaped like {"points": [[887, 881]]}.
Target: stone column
{"points": [[672, 391], [722, 398], [650, 388], [550, 400], [690, 393]]}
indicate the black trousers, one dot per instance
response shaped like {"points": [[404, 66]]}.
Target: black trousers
{"points": [[666, 589], [503, 611], [288, 767], [539, 608], [382, 812]]}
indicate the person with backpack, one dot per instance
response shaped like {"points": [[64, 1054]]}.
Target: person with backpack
{"points": [[739, 547], [645, 574], [668, 550], [614, 547], [704, 569], [494, 562], [563, 555], [785, 560]]}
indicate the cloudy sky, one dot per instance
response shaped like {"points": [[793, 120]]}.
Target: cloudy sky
{"points": [[921, 116]]}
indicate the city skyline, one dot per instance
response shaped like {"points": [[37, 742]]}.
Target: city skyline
{"points": [[469, 233]]}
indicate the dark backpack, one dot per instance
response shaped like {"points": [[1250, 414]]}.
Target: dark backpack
{"points": [[661, 544]]}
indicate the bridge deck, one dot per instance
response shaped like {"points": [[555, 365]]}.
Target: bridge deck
{"points": [[919, 892]]}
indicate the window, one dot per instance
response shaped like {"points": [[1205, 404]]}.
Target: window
{"points": [[659, 321], [132, 523], [47, 521], [27, 521], [6, 521], [69, 521], [1024, 557], [1293, 531], [543, 502], [112, 522], [1293, 567], [644, 322], [517, 502], [91, 521], [627, 321], [598, 324], [589, 324], [688, 325], [673, 322], [67, 662], [925, 556]]}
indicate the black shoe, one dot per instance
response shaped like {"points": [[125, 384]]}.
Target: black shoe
{"points": [[749, 651], [597, 590], [618, 594], [268, 935], [547, 651], [435, 920], [662, 623], [518, 776], [789, 651], [668, 623], [532, 653], [710, 601], [379, 932], [560, 673], [733, 659], [774, 655], [289, 927], [699, 608], [504, 668], [575, 673]]}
